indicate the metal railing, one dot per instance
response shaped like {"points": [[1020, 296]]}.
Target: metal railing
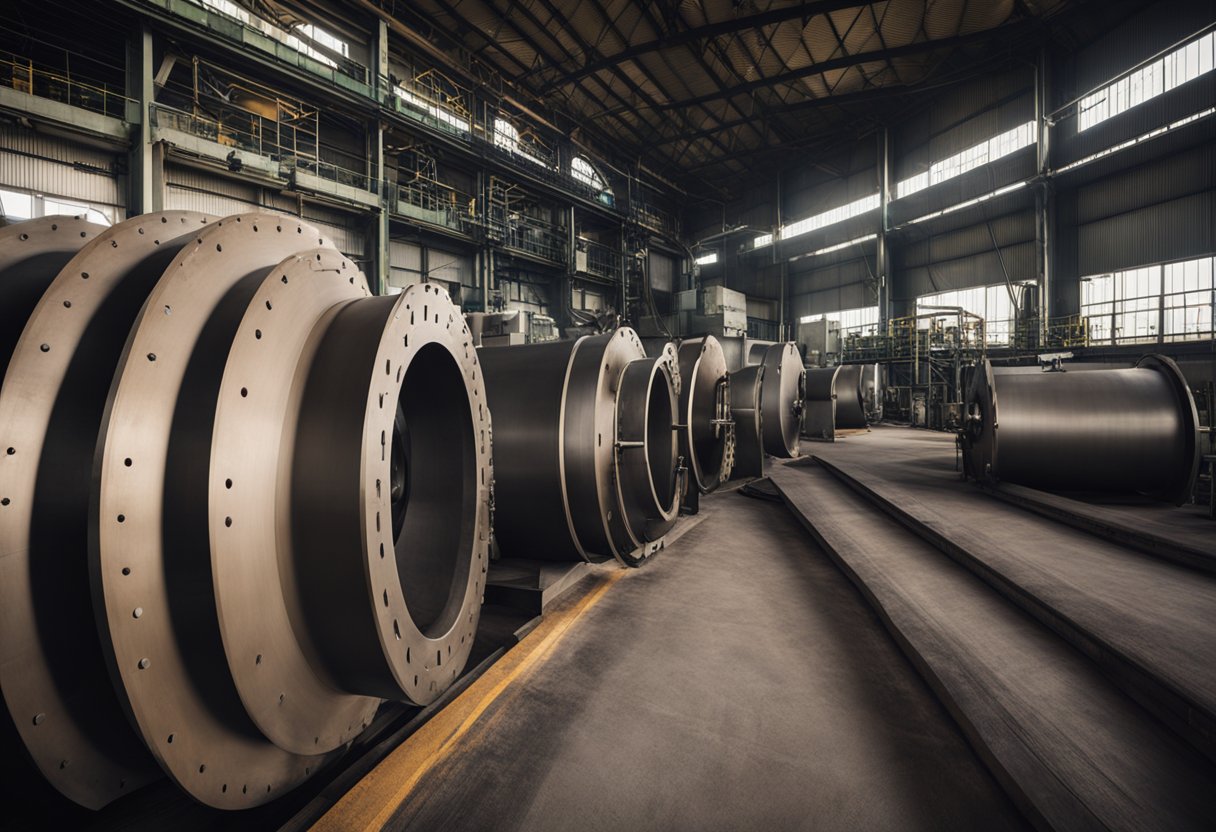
{"points": [[436, 203], [534, 237], [21, 74], [601, 261], [241, 130]]}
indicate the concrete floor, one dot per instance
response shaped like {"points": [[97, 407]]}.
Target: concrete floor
{"points": [[1073, 749], [739, 681]]}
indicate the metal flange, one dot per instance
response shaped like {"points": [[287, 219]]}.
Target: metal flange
{"points": [[56, 684], [707, 435], [32, 253], [648, 479], [150, 540], [391, 468], [783, 400], [250, 513]]}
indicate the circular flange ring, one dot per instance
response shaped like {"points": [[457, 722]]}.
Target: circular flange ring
{"points": [[425, 332], [587, 436], [31, 255], [704, 443], [784, 394], [55, 680], [150, 554], [252, 442], [1189, 416], [646, 443]]}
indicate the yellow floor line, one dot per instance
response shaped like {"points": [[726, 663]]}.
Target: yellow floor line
{"points": [[374, 799]]}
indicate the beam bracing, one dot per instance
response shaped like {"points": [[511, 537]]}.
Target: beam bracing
{"points": [[883, 255], [1044, 194], [146, 191], [798, 11]]}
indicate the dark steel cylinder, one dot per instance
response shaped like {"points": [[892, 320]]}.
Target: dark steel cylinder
{"points": [[783, 400], [1105, 430], [706, 440], [559, 441], [746, 397], [850, 410]]}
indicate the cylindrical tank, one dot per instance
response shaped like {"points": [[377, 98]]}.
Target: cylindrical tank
{"points": [[746, 397], [1107, 430], [706, 435], [584, 447], [782, 401]]}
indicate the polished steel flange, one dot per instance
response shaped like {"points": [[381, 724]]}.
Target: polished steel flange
{"points": [[55, 681], [707, 432], [32, 253], [151, 553]]}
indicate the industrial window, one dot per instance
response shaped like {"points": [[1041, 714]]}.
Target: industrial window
{"points": [[310, 31], [506, 136], [432, 109], [844, 212], [762, 240], [583, 171], [16, 205], [862, 320], [992, 303], [1185, 63], [1171, 302], [707, 259], [969, 159]]}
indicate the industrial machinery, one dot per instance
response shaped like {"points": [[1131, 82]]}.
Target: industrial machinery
{"points": [[746, 399], [783, 396], [586, 448], [707, 431], [241, 502], [833, 401], [1132, 429]]}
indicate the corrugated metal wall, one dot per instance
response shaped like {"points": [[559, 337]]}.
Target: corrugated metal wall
{"points": [[967, 257], [1162, 210], [188, 188], [830, 288], [50, 165]]}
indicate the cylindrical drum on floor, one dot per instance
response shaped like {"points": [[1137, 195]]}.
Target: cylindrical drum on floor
{"points": [[782, 402], [746, 397], [573, 477], [850, 410], [707, 436], [1106, 430]]}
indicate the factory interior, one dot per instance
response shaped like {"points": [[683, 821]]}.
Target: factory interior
{"points": [[607, 415]]}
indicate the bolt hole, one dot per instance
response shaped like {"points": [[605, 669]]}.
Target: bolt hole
{"points": [[122, 518], [127, 462], [227, 521], [227, 483], [126, 570], [244, 392]]}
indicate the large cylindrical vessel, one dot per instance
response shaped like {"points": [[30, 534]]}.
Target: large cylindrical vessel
{"points": [[746, 400], [585, 448], [707, 434], [321, 544], [1105, 430], [783, 399]]}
